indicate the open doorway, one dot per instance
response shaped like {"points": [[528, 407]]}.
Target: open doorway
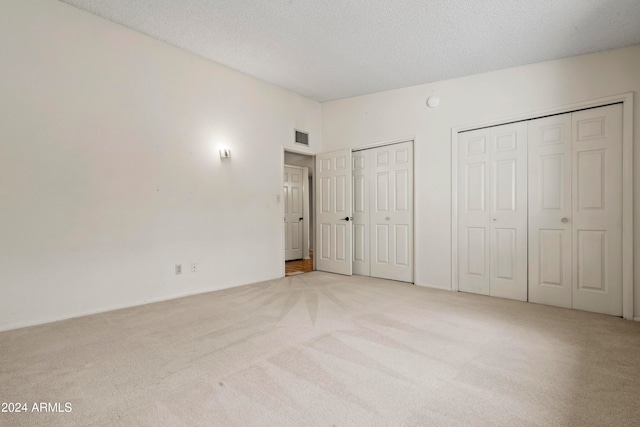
{"points": [[298, 212]]}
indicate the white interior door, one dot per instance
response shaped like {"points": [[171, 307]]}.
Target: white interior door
{"points": [[334, 225], [492, 221], [361, 212], [391, 211], [597, 209], [550, 233], [293, 212]]}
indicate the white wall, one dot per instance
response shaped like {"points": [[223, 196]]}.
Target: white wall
{"points": [[109, 172], [402, 113]]}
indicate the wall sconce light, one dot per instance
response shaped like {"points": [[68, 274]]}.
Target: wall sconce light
{"points": [[225, 153], [433, 101]]}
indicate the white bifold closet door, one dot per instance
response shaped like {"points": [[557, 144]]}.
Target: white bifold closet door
{"points": [[334, 212], [383, 212], [575, 217], [492, 218], [361, 213], [550, 210]]}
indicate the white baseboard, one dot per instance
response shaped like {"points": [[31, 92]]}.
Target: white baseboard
{"points": [[27, 324], [637, 319], [429, 285]]}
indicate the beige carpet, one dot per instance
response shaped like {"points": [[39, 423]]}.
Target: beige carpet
{"points": [[321, 349]]}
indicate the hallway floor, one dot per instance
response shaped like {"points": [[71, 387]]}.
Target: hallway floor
{"points": [[299, 266]]}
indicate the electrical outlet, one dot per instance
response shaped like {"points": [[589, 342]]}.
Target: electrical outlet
{"points": [[194, 268], [178, 268]]}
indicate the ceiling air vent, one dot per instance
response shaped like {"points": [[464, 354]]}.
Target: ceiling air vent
{"points": [[302, 138]]}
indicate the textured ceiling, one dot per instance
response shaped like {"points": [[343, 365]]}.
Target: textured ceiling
{"points": [[332, 49]]}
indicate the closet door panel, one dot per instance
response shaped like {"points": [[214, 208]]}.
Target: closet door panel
{"points": [[508, 243], [361, 212], [550, 239], [391, 213], [474, 221], [492, 216], [597, 209]]}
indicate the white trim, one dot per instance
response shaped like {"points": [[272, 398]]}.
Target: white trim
{"points": [[627, 183], [312, 227], [454, 210], [386, 142], [51, 319], [431, 286], [306, 212], [627, 206], [414, 222], [624, 97], [637, 319], [297, 150], [280, 196]]}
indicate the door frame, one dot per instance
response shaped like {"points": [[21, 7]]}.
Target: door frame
{"points": [[627, 183], [280, 195]]}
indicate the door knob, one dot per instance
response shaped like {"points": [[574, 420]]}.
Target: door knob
{"points": [[347, 218], [300, 219], [565, 220]]}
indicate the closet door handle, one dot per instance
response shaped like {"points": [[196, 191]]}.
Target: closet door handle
{"points": [[565, 220], [347, 218]]}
